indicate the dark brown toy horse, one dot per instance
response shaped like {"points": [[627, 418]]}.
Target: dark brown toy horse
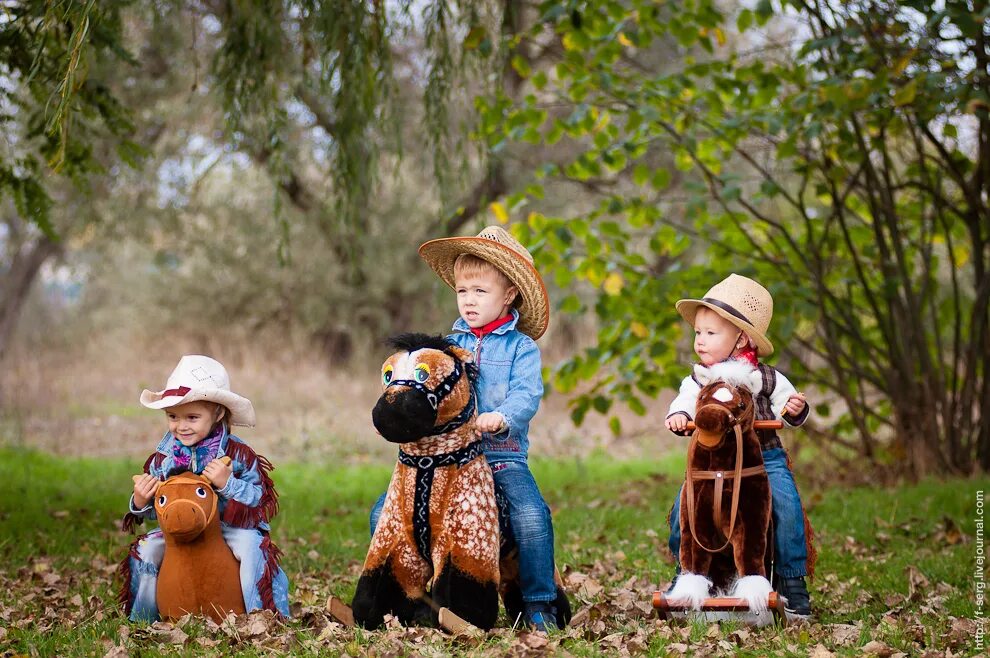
{"points": [[199, 573], [725, 502]]}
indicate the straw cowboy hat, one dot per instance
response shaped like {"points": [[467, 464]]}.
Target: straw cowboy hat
{"points": [[497, 246], [199, 378], [741, 301]]}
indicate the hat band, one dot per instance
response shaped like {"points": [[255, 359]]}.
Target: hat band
{"points": [[182, 390], [728, 309]]}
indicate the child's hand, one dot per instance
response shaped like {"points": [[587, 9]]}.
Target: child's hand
{"points": [[144, 489], [218, 472], [490, 421], [677, 423], [795, 405]]}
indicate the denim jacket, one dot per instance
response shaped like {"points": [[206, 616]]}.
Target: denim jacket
{"points": [[510, 382], [248, 486]]}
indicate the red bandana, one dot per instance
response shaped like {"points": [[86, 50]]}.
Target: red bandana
{"points": [[748, 353], [491, 326]]}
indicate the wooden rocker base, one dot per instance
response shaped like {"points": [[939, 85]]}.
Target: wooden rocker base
{"points": [[342, 613], [723, 609]]}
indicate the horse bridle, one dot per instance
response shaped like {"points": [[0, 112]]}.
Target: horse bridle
{"points": [[719, 477], [436, 395]]}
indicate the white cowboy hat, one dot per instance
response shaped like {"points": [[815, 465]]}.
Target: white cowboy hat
{"points": [[741, 301], [200, 378], [497, 246]]}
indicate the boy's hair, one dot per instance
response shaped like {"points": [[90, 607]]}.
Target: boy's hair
{"points": [[468, 264]]}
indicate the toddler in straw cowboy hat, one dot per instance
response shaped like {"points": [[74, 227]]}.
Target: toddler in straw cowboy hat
{"points": [[504, 308], [200, 409], [731, 322]]}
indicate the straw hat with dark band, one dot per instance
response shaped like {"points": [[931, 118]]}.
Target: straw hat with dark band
{"points": [[497, 246], [741, 301]]}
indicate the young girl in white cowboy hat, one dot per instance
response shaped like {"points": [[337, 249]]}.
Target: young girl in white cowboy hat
{"points": [[504, 307], [731, 322], [200, 408]]}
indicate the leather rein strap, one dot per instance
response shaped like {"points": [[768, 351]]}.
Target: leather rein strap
{"points": [[720, 477]]}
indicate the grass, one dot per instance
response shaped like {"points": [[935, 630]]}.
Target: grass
{"points": [[895, 568]]}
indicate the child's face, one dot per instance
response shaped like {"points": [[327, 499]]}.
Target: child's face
{"points": [[192, 422], [482, 297], [715, 338]]}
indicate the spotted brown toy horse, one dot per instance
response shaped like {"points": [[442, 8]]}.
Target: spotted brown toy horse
{"points": [[199, 573], [437, 543], [725, 501]]}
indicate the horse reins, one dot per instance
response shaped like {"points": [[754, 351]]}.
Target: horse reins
{"points": [[719, 477]]}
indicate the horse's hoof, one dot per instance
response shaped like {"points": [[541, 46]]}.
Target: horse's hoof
{"points": [[755, 590], [690, 590]]}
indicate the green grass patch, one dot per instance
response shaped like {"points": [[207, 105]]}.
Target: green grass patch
{"points": [[896, 564]]}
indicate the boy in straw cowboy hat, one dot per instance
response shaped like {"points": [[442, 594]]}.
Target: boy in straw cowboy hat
{"points": [[504, 307], [731, 322], [200, 409]]}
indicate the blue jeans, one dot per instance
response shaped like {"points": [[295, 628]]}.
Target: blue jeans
{"points": [[529, 522], [788, 518], [244, 543]]}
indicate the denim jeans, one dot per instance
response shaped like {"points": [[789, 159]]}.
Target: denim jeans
{"points": [[788, 518], [530, 525], [244, 543]]}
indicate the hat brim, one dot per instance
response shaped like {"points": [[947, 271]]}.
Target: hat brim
{"points": [[241, 409], [533, 303], [688, 308]]}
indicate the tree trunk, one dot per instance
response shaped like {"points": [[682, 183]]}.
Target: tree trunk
{"points": [[17, 282]]}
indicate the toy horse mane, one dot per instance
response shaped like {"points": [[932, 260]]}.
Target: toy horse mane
{"points": [[409, 342], [733, 372]]}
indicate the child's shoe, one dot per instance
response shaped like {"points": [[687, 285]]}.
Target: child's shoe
{"points": [[541, 616], [798, 605]]}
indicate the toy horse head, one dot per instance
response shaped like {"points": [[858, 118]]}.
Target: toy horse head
{"points": [[428, 389], [186, 505], [725, 400]]}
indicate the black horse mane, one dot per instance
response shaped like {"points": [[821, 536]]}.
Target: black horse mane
{"points": [[411, 342], [176, 470]]}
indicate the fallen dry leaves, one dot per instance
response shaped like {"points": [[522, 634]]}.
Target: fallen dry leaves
{"points": [[613, 615]]}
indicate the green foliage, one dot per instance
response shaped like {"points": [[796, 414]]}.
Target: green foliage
{"points": [[50, 108], [832, 170]]}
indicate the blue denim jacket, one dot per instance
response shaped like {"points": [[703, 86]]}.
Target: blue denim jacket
{"points": [[511, 383], [245, 484]]}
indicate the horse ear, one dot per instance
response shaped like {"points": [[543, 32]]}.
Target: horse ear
{"points": [[703, 375], [467, 356]]}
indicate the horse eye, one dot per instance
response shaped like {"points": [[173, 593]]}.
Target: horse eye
{"points": [[201, 492], [162, 500], [422, 373], [387, 375]]}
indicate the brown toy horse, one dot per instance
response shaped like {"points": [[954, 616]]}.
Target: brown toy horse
{"points": [[725, 502], [199, 573], [437, 543]]}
